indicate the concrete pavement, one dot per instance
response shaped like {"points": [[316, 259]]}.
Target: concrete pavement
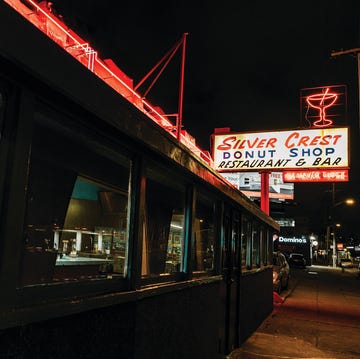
{"points": [[318, 317]]}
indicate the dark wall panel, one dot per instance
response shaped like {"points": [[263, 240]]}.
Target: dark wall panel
{"points": [[256, 301]]}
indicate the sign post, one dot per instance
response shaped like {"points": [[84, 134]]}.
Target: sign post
{"points": [[264, 199]]}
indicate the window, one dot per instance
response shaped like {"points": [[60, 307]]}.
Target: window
{"points": [[270, 245], [265, 249], [255, 260], [163, 231], [245, 242], [204, 233], [3, 99], [76, 224], [236, 240]]}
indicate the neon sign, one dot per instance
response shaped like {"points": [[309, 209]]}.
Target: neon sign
{"points": [[281, 150], [293, 240], [322, 101], [42, 16], [323, 107], [331, 175]]}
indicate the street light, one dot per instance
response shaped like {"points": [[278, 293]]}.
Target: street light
{"points": [[348, 202], [313, 243]]}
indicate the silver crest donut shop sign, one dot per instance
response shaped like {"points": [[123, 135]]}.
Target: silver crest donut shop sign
{"points": [[297, 149], [322, 149]]}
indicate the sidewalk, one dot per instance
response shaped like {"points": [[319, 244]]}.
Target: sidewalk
{"points": [[319, 317]]}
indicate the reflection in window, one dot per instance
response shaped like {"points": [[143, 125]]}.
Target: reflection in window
{"points": [[203, 247], [245, 242], [270, 246], [236, 240], [256, 244], [77, 212], [264, 244], [163, 234]]}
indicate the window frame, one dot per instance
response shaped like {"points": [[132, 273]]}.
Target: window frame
{"points": [[104, 145], [201, 190], [148, 163]]}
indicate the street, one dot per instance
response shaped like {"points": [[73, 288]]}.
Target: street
{"points": [[319, 317]]}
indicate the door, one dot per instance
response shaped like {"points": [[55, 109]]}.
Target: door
{"points": [[231, 273]]}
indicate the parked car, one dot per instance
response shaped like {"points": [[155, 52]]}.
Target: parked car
{"points": [[281, 272], [297, 260], [346, 263]]}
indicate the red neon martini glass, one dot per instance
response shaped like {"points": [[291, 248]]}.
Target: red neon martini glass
{"points": [[321, 102]]}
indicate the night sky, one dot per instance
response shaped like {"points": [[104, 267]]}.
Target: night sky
{"points": [[246, 62]]}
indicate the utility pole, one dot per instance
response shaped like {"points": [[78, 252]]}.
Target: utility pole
{"points": [[334, 253], [355, 51]]}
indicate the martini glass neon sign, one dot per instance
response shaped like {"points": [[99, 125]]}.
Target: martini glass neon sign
{"points": [[321, 102]]}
